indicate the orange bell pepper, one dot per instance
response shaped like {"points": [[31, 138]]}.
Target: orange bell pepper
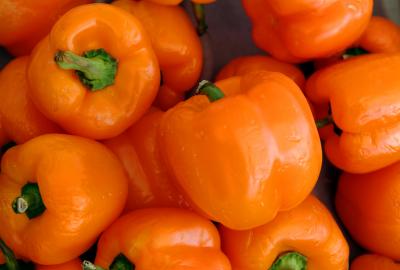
{"points": [[20, 119], [373, 262], [368, 205], [177, 2], [365, 103], [149, 183], [25, 22], [245, 157], [115, 81], [160, 238], [306, 237], [3, 136], [299, 30], [71, 265], [179, 52], [246, 64], [57, 194]]}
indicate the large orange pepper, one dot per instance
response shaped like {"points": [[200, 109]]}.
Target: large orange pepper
{"points": [[20, 119], [138, 150], [108, 88], [306, 237], [373, 262], [298, 30], [368, 205], [25, 22], [57, 194], [71, 265], [246, 64], [245, 157], [160, 238], [179, 52], [365, 104]]}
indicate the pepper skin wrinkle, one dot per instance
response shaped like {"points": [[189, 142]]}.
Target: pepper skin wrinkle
{"points": [[247, 156]]}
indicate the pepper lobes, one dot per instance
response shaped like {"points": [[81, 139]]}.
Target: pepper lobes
{"points": [[245, 157], [373, 262]]}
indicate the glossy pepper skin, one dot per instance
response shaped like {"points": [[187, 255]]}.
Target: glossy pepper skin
{"points": [[63, 98], [71, 265], [179, 53], [368, 206], [20, 119], [26, 22], [299, 30], [373, 262], [247, 156], [162, 238], [138, 150], [246, 64], [177, 2], [83, 189], [365, 103], [309, 229]]}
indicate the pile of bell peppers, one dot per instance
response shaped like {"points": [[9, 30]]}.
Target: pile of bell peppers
{"points": [[116, 154]]}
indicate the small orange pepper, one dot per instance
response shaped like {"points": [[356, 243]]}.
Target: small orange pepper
{"points": [[246, 64], [25, 22], [368, 205], [373, 262], [306, 237], [365, 103], [71, 265], [149, 183], [20, 119], [179, 52], [243, 158], [160, 238], [57, 194], [108, 88], [299, 30]]}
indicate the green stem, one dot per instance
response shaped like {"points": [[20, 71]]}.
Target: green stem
{"points": [[120, 263], [96, 69], [11, 261], [30, 202], [290, 261], [200, 15], [324, 122], [210, 90], [354, 52], [86, 265]]}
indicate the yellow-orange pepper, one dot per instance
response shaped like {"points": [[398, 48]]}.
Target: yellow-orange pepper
{"points": [[373, 262], [160, 238], [244, 157], [20, 119], [138, 150], [299, 30], [71, 265], [107, 89], [57, 194], [365, 103], [179, 52], [306, 237], [25, 22]]}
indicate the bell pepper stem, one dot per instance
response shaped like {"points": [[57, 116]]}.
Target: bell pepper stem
{"points": [[354, 52], [290, 261], [11, 261], [96, 69], [86, 265], [120, 263], [200, 15], [324, 122], [29, 202], [210, 90]]}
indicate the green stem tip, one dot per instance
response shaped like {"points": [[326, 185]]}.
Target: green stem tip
{"points": [[30, 202], [324, 122], [11, 260], [200, 15], [120, 263], [96, 69], [290, 261], [210, 90]]}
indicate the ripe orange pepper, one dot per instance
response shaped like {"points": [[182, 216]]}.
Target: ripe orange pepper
{"points": [[373, 262], [160, 238], [57, 194], [246, 64], [368, 205], [365, 102], [20, 119], [306, 237], [71, 265], [3, 136], [245, 157], [25, 22], [149, 183], [179, 52], [298, 30], [114, 83], [177, 2]]}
